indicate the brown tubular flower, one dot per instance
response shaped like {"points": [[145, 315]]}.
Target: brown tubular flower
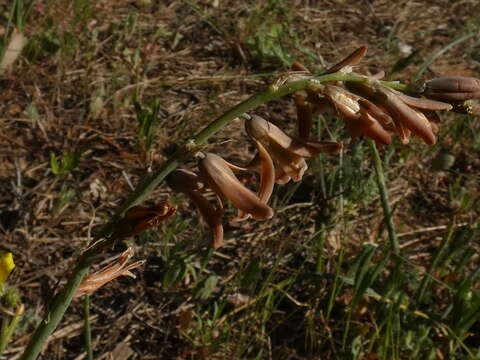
{"points": [[303, 104], [409, 114], [288, 152], [218, 175], [118, 267], [307, 102], [140, 218], [304, 114], [452, 88], [362, 117], [187, 182]]}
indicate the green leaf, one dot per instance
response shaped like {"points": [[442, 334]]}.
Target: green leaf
{"points": [[54, 166], [65, 195], [174, 274], [252, 274], [147, 117], [205, 288], [70, 161]]}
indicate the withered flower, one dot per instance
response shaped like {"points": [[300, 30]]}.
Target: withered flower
{"points": [[409, 114], [189, 183], [304, 114], [362, 117], [118, 267], [308, 104], [140, 218], [453, 88], [218, 175], [288, 152], [307, 101]]}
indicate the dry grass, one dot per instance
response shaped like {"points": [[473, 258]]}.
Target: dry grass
{"points": [[73, 91]]}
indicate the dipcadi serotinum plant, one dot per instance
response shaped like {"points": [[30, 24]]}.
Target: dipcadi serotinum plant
{"points": [[369, 107]]}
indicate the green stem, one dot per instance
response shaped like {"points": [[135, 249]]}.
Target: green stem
{"points": [[382, 188], [8, 328], [57, 308], [87, 330], [62, 300], [395, 85], [4, 333]]}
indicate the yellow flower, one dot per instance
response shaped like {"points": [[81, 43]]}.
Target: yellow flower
{"points": [[6, 266]]}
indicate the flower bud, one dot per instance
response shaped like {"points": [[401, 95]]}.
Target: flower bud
{"points": [[453, 88], [6, 266], [140, 218]]}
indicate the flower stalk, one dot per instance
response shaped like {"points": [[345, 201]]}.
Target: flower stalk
{"points": [[107, 236], [62, 300]]}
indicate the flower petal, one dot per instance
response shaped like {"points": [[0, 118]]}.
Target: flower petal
{"points": [[140, 218], [6, 266], [187, 182], [267, 174], [275, 140], [304, 116], [407, 116], [114, 269], [421, 103], [219, 176], [351, 60]]}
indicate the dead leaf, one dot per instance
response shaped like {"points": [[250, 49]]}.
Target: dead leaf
{"points": [[13, 51]]}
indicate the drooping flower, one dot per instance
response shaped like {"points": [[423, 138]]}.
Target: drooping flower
{"points": [[304, 114], [189, 183], [140, 218], [452, 88], [307, 102], [409, 114], [117, 267], [362, 117], [288, 152], [218, 175]]}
